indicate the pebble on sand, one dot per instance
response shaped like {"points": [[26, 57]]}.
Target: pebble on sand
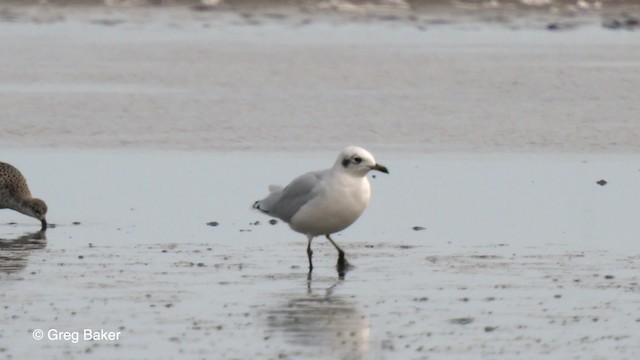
{"points": [[461, 321]]}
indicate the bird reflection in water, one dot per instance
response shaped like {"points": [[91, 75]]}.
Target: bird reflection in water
{"points": [[15, 252], [342, 267], [326, 321]]}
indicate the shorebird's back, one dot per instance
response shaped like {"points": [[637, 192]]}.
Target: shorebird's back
{"points": [[12, 184]]}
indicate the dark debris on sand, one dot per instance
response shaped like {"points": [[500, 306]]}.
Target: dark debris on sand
{"points": [[559, 26], [213, 223], [461, 321], [623, 21]]}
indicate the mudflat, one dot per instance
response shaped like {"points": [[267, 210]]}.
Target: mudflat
{"points": [[176, 78], [507, 227]]}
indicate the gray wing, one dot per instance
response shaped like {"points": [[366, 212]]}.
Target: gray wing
{"points": [[284, 203]]}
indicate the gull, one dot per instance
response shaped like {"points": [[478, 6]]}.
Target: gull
{"points": [[324, 202], [15, 195]]}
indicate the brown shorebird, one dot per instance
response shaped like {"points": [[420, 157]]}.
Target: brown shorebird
{"points": [[15, 195]]}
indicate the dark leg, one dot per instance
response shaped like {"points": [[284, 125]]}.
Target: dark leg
{"points": [[340, 252], [343, 265], [310, 253]]}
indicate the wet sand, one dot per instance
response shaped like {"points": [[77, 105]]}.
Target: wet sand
{"points": [[180, 79], [519, 256], [140, 127]]}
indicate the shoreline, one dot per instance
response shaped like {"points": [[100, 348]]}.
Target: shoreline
{"points": [[552, 15]]}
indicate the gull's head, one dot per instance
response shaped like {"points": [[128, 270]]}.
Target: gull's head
{"points": [[358, 161]]}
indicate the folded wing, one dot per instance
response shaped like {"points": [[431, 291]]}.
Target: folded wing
{"points": [[283, 203]]}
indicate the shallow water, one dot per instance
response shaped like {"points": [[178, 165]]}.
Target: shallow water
{"points": [[520, 254]]}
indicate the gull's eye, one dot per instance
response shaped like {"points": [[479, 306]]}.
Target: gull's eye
{"points": [[357, 160]]}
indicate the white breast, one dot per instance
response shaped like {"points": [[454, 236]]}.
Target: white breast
{"points": [[339, 204]]}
